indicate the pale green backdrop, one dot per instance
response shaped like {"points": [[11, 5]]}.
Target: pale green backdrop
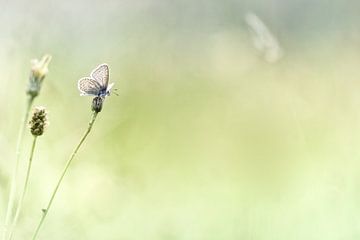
{"points": [[207, 140]]}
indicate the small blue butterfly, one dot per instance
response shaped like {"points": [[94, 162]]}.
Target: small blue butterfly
{"points": [[97, 84]]}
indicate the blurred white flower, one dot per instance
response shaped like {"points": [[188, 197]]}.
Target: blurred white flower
{"points": [[39, 68], [264, 41]]}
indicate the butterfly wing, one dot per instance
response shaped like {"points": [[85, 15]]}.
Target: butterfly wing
{"points": [[88, 86], [101, 75]]}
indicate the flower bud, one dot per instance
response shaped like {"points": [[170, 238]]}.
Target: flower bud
{"points": [[39, 69], [38, 121], [97, 104]]}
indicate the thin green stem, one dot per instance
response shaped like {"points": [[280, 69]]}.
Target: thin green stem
{"points": [[22, 196], [46, 210], [13, 186]]}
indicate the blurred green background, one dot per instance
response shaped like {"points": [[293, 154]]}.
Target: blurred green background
{"points": [[206, 140]]}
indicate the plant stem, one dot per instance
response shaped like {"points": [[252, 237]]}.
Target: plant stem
{"points": [[13, 186], [22, 196], [45, 211]]}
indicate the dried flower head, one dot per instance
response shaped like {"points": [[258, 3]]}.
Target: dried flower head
{"points": [[97, 104], [39, 69], [38, 121]]}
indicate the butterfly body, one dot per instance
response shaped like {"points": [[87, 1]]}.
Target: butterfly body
{"points": [[103, 93], [97, 84]]}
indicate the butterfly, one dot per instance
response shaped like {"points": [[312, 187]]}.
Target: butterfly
{"points": [[97, 84]]}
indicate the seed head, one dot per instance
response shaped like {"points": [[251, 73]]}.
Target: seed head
{"points": [[97, 104], [38, 121], [39, 69]]}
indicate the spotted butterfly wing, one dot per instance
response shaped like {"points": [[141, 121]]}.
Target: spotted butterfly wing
{"points": [[88, 86], [101, 75]]}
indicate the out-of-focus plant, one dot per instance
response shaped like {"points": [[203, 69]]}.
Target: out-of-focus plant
{"points": [[37, 126], [39, 70]]}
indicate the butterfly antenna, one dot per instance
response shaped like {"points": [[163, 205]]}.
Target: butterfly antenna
{"points": [[115, 89]]}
